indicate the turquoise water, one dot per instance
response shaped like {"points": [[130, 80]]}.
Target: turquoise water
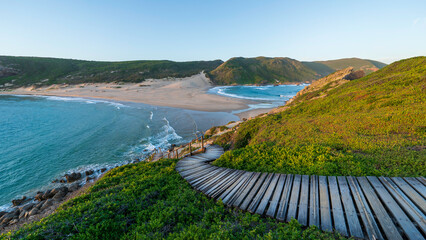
{"points": [[42, 138], [269, 96]]}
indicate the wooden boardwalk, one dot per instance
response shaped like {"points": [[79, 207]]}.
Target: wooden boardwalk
{"points": [[361, 207]]}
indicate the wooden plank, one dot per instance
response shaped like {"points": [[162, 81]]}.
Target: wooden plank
{"points": [[422, 180], [294, 198], [205, 185], [350, 211], [409, 207], [365, 212], [268, 194], [227, 184], [202, 169], [326, 224], [302, 216], [389, 228], [420, 188], [408, 227], [314, 205], [417, 199], [241, 195], [276, 198], [228, 195], [253, 191], [260, 193], [208, 184], [285, 198], [195, 182], [222, 182], [336, 205]]}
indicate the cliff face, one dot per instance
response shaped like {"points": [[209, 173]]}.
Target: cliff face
{"points": [[7, 72]]}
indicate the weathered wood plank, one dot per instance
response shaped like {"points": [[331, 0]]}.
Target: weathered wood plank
{"points": [[336, 205], [268, 194], [227, 184], [198, 174], [408, 227], [314, 205], [260, 193], [276, 198], [214, 180], [253, 191], [422, 180], [417, 199], [326, 224], [195, 182], [420, 188], [294, 198], [405, 202], [389, 228], [228, 195], [350, 211], [370, 225], [245, 191], [203, 186], [285, 198], [239, 192], [302, 216], [187, 174]]}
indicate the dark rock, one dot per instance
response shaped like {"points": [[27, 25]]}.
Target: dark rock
{"points": [[89, 172], [22, 214], [103, 169], [33, 212], [72, 177], [38, 206], [355, 75], [62, 181], [47, 204], [2, 213], [14, 221], [89, 179], [54, 191], [55, 181], [74, 187], [64, 189], [6, 220], [58, 196], [39, 196], [18, 202], [28, 207]]}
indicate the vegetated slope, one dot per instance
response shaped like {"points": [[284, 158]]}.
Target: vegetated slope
{"points": [[261, 70], [327, 67], [374, 125], [26, 71], [152, 201]]}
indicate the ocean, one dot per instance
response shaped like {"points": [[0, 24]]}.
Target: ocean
{"points": [[269, 96], [43, 138]]}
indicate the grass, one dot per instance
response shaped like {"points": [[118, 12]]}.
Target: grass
{"points": [[152, 201], [370, 126]]}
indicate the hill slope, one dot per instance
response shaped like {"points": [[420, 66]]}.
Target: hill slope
{"points": [[262, 70], [374, 125], [24, 71]]}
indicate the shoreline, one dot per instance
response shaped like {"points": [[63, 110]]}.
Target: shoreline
{"points": [[187, 93]]}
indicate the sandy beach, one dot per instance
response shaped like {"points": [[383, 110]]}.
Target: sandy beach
{"points": [[188, 93]]}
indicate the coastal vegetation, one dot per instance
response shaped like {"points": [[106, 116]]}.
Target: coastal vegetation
{"points": [[152, 201], [263, 70], [27, 71], [374, 125], [35, 71]]}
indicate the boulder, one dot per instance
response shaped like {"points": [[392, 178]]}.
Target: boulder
{"points": [[103, 169], [27, 207], [89, 179], [39, 196], [13, 221], [47, 204], [38, 206], [89, 172], [2, 213], [6, 220], [23, 214], [18, 202], [74, 187], [33, 212], [72, 177]]}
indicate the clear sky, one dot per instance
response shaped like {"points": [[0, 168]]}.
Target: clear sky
{"points": [[205, 30]]}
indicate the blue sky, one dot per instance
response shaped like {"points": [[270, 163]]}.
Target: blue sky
{"points": [[206, 30]]}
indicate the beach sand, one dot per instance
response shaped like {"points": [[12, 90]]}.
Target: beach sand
{"points": [[188, 93]]}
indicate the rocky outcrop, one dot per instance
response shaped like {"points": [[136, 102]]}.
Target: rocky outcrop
{"points": [[72, 177], [7, 71]]}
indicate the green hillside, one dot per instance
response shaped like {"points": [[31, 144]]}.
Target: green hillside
{"points": [[261, 70], [25, 71], [152, 201], [327, 67], [374, 125]]}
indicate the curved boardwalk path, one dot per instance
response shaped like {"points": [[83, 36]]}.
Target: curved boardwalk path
{"points": [[362, 207]]}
